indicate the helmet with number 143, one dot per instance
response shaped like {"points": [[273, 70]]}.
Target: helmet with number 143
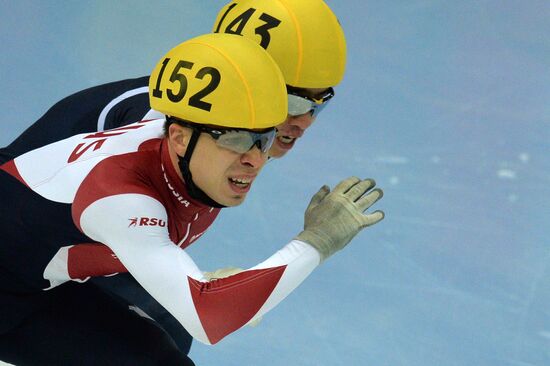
{"points": [[306, 40]]}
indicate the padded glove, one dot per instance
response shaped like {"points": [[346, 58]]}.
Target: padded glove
{"points": [[332, 219]]}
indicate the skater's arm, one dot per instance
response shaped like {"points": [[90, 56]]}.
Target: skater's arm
{"points": [[210, 310]]}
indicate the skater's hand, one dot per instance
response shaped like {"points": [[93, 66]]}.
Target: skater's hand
{"points": [[332, 219]]}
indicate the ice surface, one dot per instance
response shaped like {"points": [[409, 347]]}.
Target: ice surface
{"points": [[444, 103]]}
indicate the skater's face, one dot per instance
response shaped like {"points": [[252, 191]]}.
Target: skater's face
{"points": [[225, 175], [304, 105]]}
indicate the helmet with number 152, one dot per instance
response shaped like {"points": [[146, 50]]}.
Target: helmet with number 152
{"points": [[303, 37], [222, 80]]}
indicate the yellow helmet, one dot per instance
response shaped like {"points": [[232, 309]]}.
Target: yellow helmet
{"points": [[303, 36], [220, 79]]}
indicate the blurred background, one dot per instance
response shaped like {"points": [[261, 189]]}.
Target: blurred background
{"points": [[444, 103]]}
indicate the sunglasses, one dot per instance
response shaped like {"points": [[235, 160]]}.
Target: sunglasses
{"points": [[237, 140], [299, 104]]}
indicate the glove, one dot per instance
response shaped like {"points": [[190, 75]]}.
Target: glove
{"points": [[332, 219], [226, 272]]}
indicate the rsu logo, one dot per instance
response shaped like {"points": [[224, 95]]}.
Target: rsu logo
{"points": [[146, 221]]}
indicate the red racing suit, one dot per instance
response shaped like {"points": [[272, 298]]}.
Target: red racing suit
{"points": [[110, 202]]}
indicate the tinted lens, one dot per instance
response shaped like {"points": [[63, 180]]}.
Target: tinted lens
{"points": [[267, 140], [242, 141], [317, 108], [298, 105]]}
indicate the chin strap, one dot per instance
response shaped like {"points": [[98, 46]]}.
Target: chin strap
{"points": [[183, 163]]}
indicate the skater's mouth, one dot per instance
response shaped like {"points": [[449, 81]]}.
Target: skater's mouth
{"points": [[285, 142]]}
